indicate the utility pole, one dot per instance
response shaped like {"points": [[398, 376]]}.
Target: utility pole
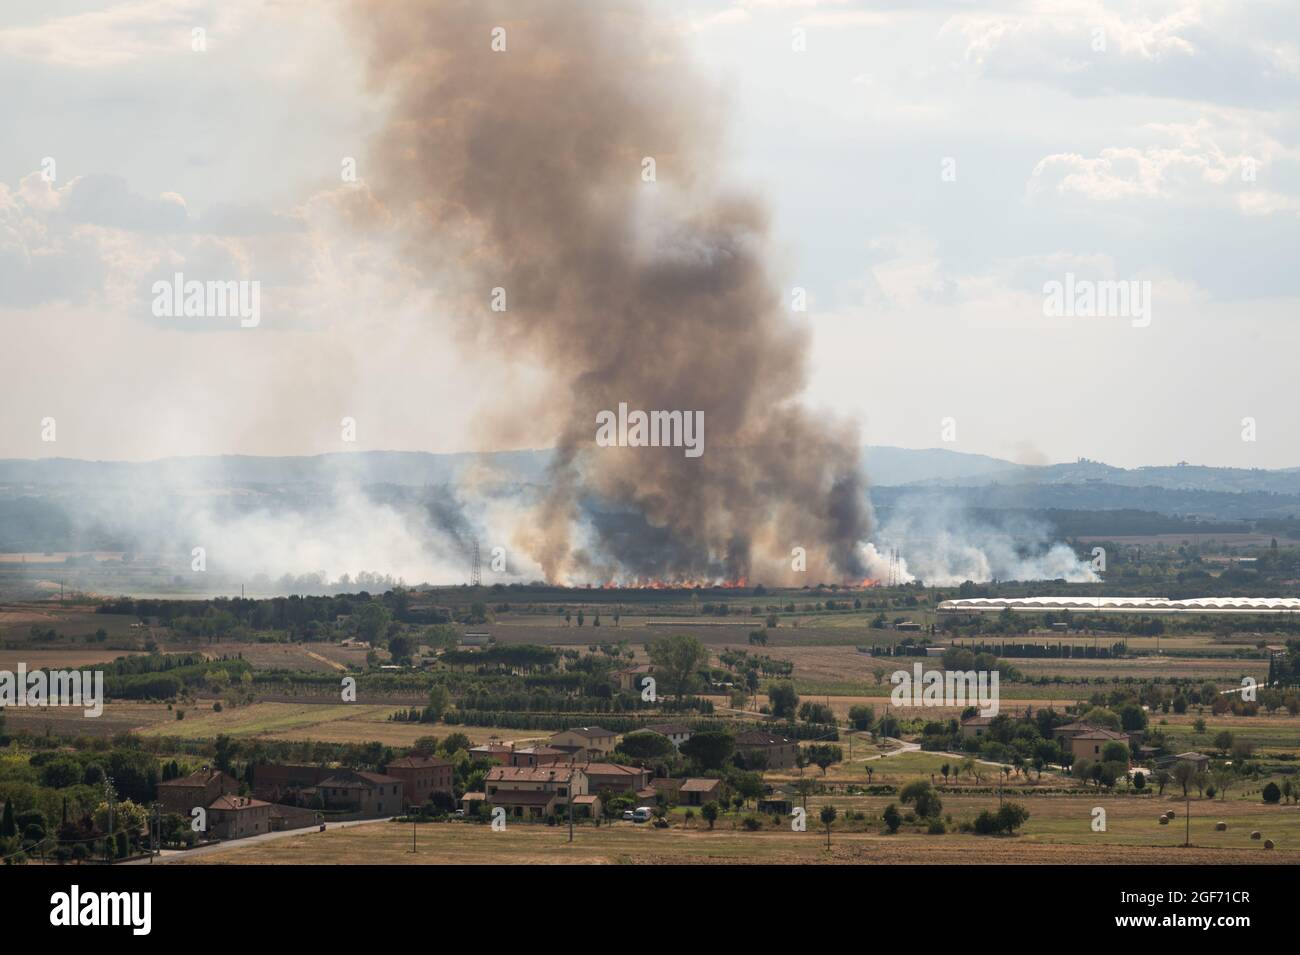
{"points": [[1187, 821], [570, 806]]}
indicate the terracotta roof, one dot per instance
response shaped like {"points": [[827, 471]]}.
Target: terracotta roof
{"points": [[200, 778], [759, 738], [379, 778], [1103, 734], [589, 732], [586, 799], [700, 785], [350, 779], [418, 762], [668, 729], [236, 803], [610, 769], [530, 774]]}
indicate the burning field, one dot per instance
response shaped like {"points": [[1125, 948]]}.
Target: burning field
{"points": [[575, 171]]}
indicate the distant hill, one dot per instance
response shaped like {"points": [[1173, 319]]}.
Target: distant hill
{"points": [[977, 480], [1206, 505], [889, 466], [1178, 477], [362, 467]]}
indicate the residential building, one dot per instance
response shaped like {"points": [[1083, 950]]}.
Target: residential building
{"points": [[370, 794], [234, 817], [1092, 745], [696, 792], [678, 733], [631, 679], [1199, 760], [616, 779], [533, 792], [779, 751], [532, 756], [975, 726], [195, 790], [1063, 734], [286, 783], [586, 742], [493, 752], [421, 777]]}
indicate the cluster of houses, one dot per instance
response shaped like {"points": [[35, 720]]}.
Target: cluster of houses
{"points": [[287, 796], [569, 771], [1083, 740]]}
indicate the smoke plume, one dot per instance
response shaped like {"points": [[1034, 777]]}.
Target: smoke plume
{"points": [[523, 168], [942, 544]]}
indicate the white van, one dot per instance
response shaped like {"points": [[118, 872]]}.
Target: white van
{"points": [[642, 814]]}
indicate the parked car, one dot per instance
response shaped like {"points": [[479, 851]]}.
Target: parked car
{"points": [[629, 815], [642, 814]]}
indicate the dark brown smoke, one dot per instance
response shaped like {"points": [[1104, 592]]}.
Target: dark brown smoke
{"points": [[522, 170]]}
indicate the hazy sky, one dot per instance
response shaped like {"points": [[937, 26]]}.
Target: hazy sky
{"points": [[929, 167]]}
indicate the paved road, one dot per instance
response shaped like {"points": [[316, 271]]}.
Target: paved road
{"points": [[173, 855], [903, 747]]}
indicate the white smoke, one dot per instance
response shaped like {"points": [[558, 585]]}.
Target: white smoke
{"points": [[940, 543]]}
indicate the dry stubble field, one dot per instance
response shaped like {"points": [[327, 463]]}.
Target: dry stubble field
{"points": [[386, 843]]}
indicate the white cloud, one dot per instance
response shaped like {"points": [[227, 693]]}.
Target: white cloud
{"points": [[1223, 158], [1199, 51], [121, 34]]}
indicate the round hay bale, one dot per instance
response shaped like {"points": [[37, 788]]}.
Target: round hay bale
{"points": [[1268, 843], [1255, 834], [1164, 820], [1220, 827]]}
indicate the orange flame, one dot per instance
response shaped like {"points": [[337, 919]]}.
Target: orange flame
{"points": [[646, 583]]}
